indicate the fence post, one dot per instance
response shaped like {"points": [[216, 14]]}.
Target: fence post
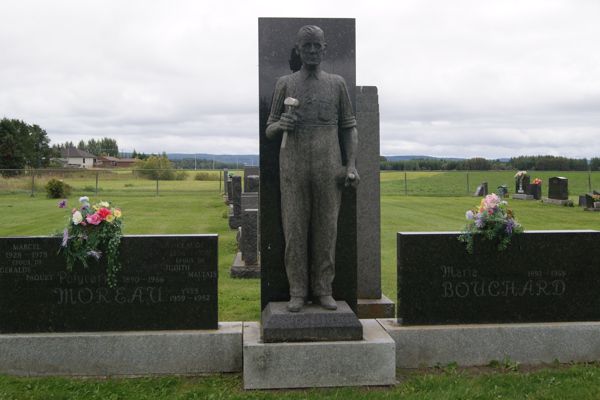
{"points": [[220, 180], [590, 181], [405, 185], [97, 183], [468, 190], [32, 182]]}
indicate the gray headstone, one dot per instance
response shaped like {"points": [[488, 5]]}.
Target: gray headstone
{"points": [[251, 183], [250, 171], [235, 219], [225, 177], [249, 239], [249, 200], [166, 282], [367, 194], [277, 37], [482, 190], [558, 188]]}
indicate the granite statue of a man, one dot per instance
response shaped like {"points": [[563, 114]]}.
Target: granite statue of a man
{"points": [[312, 112]]}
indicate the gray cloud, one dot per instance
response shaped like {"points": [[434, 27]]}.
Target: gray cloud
{"points": [[463, 78]]}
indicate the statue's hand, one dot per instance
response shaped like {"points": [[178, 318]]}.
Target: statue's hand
{"points": [[287, 122], [352, 177]]}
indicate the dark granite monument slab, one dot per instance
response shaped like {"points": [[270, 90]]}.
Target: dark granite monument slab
{"points": [[250, 171], [534, 190], [252, 184], [314, 324], [277, 37], [521, 184], [543, 276], [482, 190], [235, 215], [225, 178], [558, 188], [166, 282], [249, 201]]}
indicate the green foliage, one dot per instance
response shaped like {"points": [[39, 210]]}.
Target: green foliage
{"points": [[206, 176], [57, 189], [23, 146], [595, 164], [103, 147], [492, 221], [156, 167], [549, 163], [94, 232]]}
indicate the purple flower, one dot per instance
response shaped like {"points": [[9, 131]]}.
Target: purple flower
{"points": [[62, 203], [509, 225], [469, 214], [479, 223], [65, 237], [94, 253]]}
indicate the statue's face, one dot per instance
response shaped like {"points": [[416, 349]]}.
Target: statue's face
{"points": [[311, 50]]}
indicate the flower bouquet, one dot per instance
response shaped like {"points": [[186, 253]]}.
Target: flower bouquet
{"points": [[93, 231], [493, 221]]}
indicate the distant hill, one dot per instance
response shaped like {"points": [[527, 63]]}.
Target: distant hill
{"points": [[404, 158], [241, 159]]}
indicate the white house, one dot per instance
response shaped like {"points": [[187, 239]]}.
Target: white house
{"points": [[73, 157]]}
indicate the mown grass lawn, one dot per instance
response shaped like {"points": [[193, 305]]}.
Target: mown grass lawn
{"points": [[197, 207]]}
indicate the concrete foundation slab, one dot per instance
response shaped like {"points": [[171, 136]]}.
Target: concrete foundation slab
{"points": [[123, 353], [376, 308], [370, 361], [470, 345], [520, 196], [555, 201], [240, 270]]}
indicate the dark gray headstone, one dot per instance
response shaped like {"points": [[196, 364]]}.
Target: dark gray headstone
{"points": [[235, 218], [249, 239], [482, 190], [229, 190], [535, 190], [542, 277], [252, 184], [225, 178], [249, 200], [277, 37], [558, 188], [250, 171], [166, 283], [367, 194]]}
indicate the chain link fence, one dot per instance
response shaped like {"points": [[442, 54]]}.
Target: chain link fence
{"points": [[171, 182], [112, 181]]}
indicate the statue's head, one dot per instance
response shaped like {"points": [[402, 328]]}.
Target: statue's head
{"points": [[310, 44]]}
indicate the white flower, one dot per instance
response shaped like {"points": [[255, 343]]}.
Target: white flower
{"points": [[469, 214], [84, 199], [77, 218], [104, 204]]}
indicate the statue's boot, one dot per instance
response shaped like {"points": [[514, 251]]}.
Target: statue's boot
{"points": [[295, 304], [327, 302]]}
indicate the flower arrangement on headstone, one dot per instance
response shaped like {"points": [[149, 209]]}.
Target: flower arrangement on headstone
{"points": [[492, 220], [93, 231], [535, 189], [596, 199]]}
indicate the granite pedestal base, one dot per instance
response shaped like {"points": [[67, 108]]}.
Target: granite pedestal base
{"points": [[592, 209], [376, 308], [366, 362], [472, 345], [521, 196], [240, 270], [313, 323], [123, 353], [555, 201]]}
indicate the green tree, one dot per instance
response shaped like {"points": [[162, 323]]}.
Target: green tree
{"points": [[156, 167], [23, 145]]}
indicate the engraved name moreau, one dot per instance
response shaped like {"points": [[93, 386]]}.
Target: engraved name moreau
{"points": [[468, 282]]}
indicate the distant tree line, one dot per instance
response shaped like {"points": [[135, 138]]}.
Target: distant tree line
{"points": [[202, 163], [537, 163], [103, 147]]}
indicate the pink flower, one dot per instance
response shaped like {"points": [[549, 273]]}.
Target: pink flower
{"points": [[93, 219]]}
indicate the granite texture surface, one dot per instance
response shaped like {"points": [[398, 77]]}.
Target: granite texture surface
{"points": [[558, 188], [251, 170], [235, 217], [367, 362], [249, 240], [166, 282], [312, 324], [277, 37], [543, 276]]}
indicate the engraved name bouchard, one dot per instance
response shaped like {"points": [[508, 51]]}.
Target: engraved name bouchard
{"points": [[467, 282]]}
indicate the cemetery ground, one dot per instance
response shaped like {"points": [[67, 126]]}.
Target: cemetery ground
{"points": [[436, 201]]}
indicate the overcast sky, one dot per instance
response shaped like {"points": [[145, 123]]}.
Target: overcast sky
{"points": [[455, 78]]}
